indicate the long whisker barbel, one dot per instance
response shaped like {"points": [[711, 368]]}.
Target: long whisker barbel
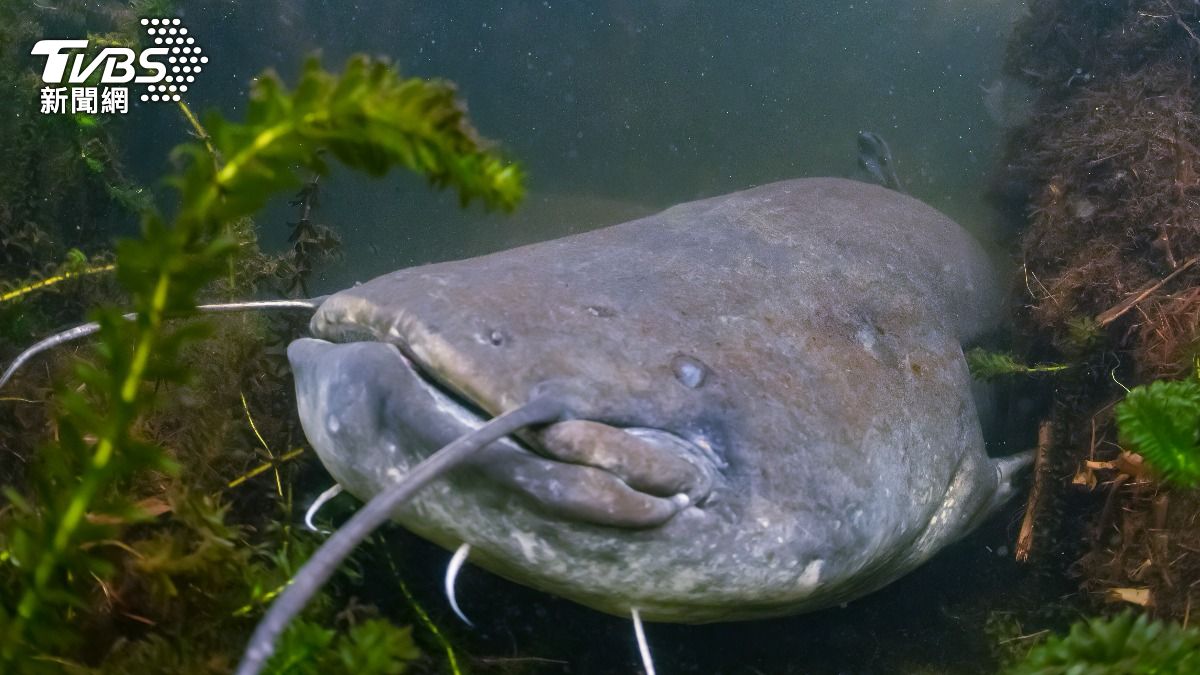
{"points": [[452, 570], [320, 501], [90, 328]]}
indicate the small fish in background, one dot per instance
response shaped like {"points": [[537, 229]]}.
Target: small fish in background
{"points": [[875, 157]]}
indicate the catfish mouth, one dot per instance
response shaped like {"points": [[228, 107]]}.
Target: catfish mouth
{"points": [[580, 469]]}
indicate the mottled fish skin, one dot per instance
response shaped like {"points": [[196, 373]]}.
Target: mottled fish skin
{"points": [[790, 354]]}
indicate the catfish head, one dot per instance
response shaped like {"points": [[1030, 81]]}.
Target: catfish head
{"points": [[763, 405]]}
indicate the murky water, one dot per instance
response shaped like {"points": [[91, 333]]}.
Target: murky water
{"points": [[617, 108]]}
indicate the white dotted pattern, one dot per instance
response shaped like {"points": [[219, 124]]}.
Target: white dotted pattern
{"points": [[186, 58]]}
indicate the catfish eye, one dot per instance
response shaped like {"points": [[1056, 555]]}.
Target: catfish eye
{"points": [[495, 337], [689, 370]]}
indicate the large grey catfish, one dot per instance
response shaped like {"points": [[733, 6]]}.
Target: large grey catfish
{"points": [[765, 405]]}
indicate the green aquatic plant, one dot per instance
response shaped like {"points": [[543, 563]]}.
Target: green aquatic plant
{"points": [[369, 118], [311, 242], [1083, 335], [1126, 644], [76, 266], [1161, 422], [62, 184], [59, 542], [988, 366], [373, 647]]}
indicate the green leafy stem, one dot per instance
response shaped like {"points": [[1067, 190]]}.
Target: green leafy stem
{"points": [[370, 119], [986, 365]]}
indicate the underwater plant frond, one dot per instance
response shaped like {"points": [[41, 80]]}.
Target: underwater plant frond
{"points": [[67, 274], [199, 130], [1161, 421], [424, 618], [1126, 644], [373, 647], [369, 118], [988, 366]]}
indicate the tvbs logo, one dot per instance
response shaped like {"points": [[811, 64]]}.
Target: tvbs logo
{"points": [[166, 70]]}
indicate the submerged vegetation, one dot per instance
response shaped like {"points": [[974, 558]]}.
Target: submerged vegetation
{"points": [[1126, 644], [1161, 422], [987, 366], [1106, 171], [126, 543]]}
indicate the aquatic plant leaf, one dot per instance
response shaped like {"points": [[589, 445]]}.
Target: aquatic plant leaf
{"points": [[369, 118], [373, 647], [300, 650], [68, 537], [988, 366], [1126, 644], [1161, 421]]}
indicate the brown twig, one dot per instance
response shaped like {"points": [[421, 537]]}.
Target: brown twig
{"points": [[1110, 502], [1116, 311], [1025, 537]]}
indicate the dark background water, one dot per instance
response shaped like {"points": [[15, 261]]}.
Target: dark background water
{"points": [[616, 109]]}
